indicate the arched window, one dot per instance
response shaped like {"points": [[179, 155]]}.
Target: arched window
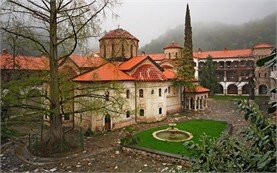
{"points": [[131, 49], [141, 112], [113, 51], [105, 50], [123, 50], [107, 96], [141, 93], [176, 55], [127, 94], [262, 89], [160, 92], [128, 113], [160, 111]]}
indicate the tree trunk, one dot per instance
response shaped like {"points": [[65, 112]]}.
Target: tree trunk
{"points": [[56, 133]]}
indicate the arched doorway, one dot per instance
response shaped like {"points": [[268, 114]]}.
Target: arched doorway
{"points": [[262, 89], [107, 124], [219, 89], [245, 89], [232, 89], [192, 103]]}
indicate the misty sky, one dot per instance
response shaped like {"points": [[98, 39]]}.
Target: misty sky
{"points": [[147, 19]]}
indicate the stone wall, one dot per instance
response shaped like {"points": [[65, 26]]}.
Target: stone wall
{"points": [[158, 155]]}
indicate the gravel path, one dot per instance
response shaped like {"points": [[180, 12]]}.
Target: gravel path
{"points": [[103, 150]]}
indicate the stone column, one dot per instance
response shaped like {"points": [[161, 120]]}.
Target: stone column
{"points": [[199, 106], [189, 101], [203, 104], [206, 104]]}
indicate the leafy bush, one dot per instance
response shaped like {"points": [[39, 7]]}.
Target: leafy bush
{"points": [[130, 139], [89, 132], [256, 151]]}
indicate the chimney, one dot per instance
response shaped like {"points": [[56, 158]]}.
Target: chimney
{"points": [[199, 50], [5, 51], [143, 53]]}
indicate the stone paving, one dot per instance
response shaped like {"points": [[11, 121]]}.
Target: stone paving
{"points": [[103, 152]]}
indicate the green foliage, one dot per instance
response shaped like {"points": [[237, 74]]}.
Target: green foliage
{"points": [[89, 132], [130, 139], [254, 151], [208, 77], [7, 133], [185, 69]]}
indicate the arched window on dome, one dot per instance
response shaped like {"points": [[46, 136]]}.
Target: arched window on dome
{"points": [[131, 50], [123, 50], [105, 49], [113, 50]]}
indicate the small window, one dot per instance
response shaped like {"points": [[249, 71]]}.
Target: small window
{"points": [[123, 50], [265, 75], [176, 55], [259, 74], [160, 111], [141, 112], [128, 113], [169, 55], [168, 89], [160, 92], [152, 92], [127, 94], [107, 96], [141, 93]]}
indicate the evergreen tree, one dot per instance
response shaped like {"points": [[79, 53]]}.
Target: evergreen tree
{"points": [[208, 77], [188, 33]]}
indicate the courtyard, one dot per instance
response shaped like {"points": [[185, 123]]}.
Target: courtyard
{"points": [[103, 151]]}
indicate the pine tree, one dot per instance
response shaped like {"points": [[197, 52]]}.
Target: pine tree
{"points": [[208, 77]]}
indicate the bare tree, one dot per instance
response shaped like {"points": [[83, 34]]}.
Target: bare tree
{"points": [[56, 27]]}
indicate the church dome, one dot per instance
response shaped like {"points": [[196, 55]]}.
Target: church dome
{"points": [[118, 45], [118, 34]]}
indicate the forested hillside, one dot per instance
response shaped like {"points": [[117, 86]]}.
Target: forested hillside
{"points": [[215, 36]]}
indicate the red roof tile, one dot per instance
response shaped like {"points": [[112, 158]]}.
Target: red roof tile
{"points": [[157, 56], [148, 72], [169, 74], [173, 44], [87, 62], [107, 72], [197, 89], [24, 62], [118, 34], [224, 53], [262, 45], [127, 65]]}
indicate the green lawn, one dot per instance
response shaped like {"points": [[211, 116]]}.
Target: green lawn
{"points": [[196, 127]]}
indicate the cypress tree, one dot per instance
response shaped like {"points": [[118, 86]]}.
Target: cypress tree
{"points": [[188, 32]]}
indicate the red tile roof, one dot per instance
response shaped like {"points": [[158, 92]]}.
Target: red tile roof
{"points": [[224, 53], [24, 62], [262, 45], [107, 72], [87, 62], [157, 56], [127, 65], [197, 89], [148, 72], [118, 34], [169, 74], [173, 44]]}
